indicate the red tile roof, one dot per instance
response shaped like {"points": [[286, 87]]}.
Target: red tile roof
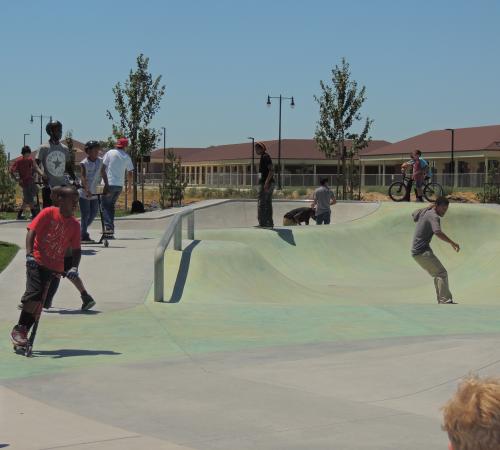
{"points": [[466, 139], [290, 149]]}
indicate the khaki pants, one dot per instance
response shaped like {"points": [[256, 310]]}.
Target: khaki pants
{"points": [[429, 262]]}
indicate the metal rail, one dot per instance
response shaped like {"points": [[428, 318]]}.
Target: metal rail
{"points": [[174, 230]]}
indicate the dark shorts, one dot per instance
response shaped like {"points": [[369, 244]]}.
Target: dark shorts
{"points": [[29, 193], [37, 284]]}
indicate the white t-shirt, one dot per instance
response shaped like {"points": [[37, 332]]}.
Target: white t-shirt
{"points": [[93, 175], [117, 162]]}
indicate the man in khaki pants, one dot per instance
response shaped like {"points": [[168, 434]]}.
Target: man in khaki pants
{"points": [[429, 224]]}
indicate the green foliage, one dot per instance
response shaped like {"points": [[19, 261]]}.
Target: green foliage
{"points": [[7, 184], [137, 101], [173, 186], [339, 109], [68, 139], [7, 252], [491, 189]]}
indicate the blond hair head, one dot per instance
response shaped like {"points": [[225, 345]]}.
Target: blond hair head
{"points": [[472, 415]]}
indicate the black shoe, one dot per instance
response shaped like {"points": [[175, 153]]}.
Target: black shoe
{"points": [[20, 216], [86, 239], [87, 302]]}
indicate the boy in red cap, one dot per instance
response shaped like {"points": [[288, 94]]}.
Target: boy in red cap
{"points": [[117, 162], [53, 231]]}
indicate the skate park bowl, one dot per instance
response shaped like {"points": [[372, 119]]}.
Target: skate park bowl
{"points": [[300, 337]]}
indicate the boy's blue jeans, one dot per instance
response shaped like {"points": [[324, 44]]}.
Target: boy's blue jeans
{"points": [[108, 206], [88, 210]]}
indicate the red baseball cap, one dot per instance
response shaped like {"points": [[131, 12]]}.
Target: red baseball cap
{"points": [[122, 142]]}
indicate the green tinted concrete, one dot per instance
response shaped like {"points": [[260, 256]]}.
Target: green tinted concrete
{"points": [[250, 288]]}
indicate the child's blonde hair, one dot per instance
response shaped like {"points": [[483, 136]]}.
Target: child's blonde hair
{"points": [[472, 415]]}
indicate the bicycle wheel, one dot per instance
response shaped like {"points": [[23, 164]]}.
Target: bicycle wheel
{"points": [[432, 191], [397, 191]]}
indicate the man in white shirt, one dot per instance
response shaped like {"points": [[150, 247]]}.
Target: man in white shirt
{"points": [[117, 163]]}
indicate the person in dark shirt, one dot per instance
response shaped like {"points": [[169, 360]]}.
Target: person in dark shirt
{"points": [[298, 215], [266, 187]]}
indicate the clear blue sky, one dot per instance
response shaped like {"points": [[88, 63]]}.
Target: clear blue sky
{"points": [[425, 64]]}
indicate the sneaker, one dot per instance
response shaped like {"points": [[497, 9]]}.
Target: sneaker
{"points": [[20, 216], [87, 302], [86, 239], [47, 304], [19, 335], [447, 302]]}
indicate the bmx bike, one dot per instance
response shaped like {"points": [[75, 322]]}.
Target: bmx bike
{"points": [[400, 191]]}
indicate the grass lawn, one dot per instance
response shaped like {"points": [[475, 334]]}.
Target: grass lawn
{"points": [[7, 252]]}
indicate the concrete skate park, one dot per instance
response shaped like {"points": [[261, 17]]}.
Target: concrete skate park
{"points": [[291, 338]]}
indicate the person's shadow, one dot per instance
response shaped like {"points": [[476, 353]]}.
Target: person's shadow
{"points": [[73, 312], [66, 352]]}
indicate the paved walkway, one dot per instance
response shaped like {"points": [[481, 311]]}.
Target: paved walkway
{"points": [[297, 338]]}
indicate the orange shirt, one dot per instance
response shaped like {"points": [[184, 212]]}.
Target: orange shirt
{"points": [[54, 235]]}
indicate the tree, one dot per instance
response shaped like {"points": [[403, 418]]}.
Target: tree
{"points": [[173, 186], [136, 103], [68, 139], [339, 106], [7, 184]]}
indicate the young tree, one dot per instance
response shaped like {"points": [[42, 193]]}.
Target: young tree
{"points": [[339, 106], [136, 103], [68, 140], [173, 186], [7, 184]]}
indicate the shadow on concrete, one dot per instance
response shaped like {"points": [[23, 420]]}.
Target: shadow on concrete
{"points": [[67, 352], [4, 445], [180, 281], [88, 251], [134, 239], [285, 234], [73, 312]]}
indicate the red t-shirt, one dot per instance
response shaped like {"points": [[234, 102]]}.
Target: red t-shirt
{"points": [[54, 235], [25, 169]]}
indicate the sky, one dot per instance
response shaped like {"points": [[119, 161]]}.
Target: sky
{"points": [[425, 64]]}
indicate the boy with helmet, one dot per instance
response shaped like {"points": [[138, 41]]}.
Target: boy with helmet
{"points": [[55, 160], [92, 171]]}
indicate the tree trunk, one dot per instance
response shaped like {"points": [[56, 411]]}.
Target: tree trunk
{"points": [[135, 178]]}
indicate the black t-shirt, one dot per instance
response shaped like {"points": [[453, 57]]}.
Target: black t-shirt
{"points": [[304, 214], [265, 162]]}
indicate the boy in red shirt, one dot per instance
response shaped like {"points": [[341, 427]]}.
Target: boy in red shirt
{"points": [[24, 168], [50, 234]]}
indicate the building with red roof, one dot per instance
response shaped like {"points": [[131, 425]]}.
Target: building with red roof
{"points": [[475, 151]]}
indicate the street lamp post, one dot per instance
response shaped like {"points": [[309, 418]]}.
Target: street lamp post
{"points": [[292, 104], [24, 139], [164, 150], [452, 154], [253, 160], [41, 117]]}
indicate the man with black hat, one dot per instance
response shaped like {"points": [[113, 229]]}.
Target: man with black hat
{"points": [[54, 160]]}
